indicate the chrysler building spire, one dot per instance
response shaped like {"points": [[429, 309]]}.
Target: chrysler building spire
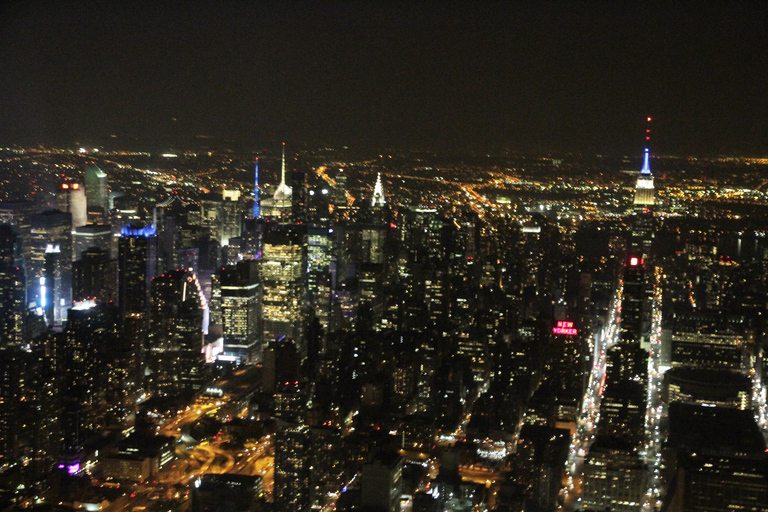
{"points": [[378, 193]]}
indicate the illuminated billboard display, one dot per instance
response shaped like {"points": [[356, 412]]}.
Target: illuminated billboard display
{"points": [[565, 328]]}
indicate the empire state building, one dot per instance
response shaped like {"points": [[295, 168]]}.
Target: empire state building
{"points": [[644, 192]]}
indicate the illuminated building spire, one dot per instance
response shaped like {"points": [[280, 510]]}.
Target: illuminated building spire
{"points": [[646, 162], [283, 192], [256, 211], [646, 165], [644, 191], [378, 193]]}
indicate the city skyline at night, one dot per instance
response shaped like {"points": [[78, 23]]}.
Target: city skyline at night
{"points": [[350, 257]]}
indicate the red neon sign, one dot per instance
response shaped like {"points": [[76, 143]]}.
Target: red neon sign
{"points": [[565, 328]]}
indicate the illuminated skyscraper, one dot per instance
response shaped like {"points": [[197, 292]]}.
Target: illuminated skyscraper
{"points": [[292, 469], [378, 199], [96, 193], [82, 358], [71, 198], [93, 235], [280, 206], [644, 197], [12, 288], [137, 265], [240, 309], [256, 210], [284, 264], [176, 333], [319, 272], [51, 231]]}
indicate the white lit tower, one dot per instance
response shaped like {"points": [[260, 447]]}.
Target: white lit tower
{"points": [[379, 212], [282, 198], [378, 200], [71, 198]]}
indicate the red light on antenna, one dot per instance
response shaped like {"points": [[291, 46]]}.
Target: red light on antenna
{"points": [[649, 119]]}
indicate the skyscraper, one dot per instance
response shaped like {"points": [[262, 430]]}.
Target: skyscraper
{"points": [[12, 288], [51, 228], [176, 333], [96, 193], [280, 207], [644, 192], [241, 309], [93, 235], [71, 198], [94, 276], [291, 489], [284, 264], [256, 212], [137, 265]]}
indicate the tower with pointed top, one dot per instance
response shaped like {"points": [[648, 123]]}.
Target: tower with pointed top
{"points": [[256, 210], [378, 199], [644, 192], [280, 206]]}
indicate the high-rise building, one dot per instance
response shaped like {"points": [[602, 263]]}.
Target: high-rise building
{"points": [[615, 477], [94, 276], [174, 354], [51, 228], [712, 339], [93, 235], [240, 305], [292, 469], [319, 277], [256, 212], [56, 286], [137, 265], [279, 207], [12, 288], [644, 192], [82, 359], [299, 195], [96, 193], [715, 459], [283, 270], [231, 492], [281, 363], [71, 198], [382, 483]]}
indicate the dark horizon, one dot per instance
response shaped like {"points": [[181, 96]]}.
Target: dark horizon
{"points": [[490, 77]]}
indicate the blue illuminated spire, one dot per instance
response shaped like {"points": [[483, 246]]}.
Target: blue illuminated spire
{"points": [[646, 163], [256, 212]]}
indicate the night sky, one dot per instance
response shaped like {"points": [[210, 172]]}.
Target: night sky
{"points": [[563, 76]]}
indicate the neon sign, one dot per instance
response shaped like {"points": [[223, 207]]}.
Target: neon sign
{"points": [[565, 328]]}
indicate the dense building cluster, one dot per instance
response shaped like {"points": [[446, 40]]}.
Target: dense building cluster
{"points": [[365, 337]]}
